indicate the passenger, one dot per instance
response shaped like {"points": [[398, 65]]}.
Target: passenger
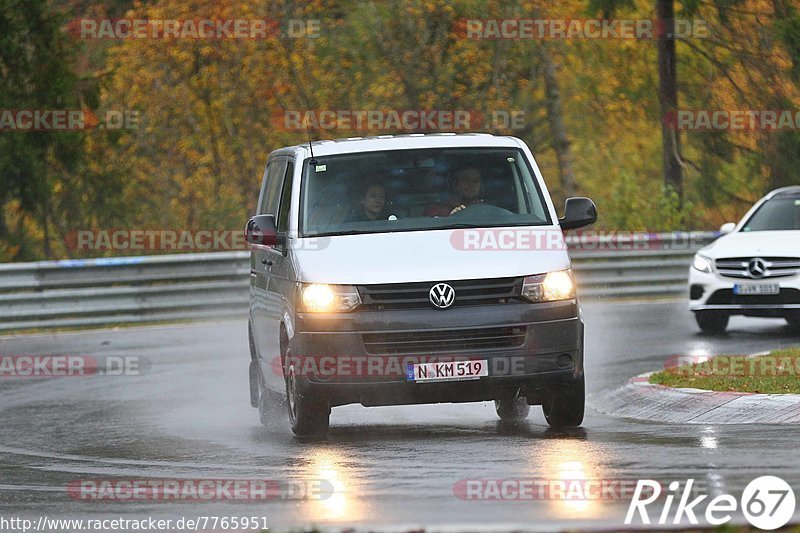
{"points": [[466, 192], [372, 205]]}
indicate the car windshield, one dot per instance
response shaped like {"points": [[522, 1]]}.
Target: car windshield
{"points": [[409, 190], [776, 215]]}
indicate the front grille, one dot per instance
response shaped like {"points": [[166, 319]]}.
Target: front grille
{"points": [[444, 340], [415, 295], [775, 267], [726, 297]]}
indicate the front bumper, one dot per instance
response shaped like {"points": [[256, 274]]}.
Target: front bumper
{"points": [[712, 292], [331, 355]]}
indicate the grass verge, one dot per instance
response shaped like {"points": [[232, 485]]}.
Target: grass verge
{"points": [[775, 373]]}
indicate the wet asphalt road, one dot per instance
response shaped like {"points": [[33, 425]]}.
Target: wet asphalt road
{"points": [[392, 468]]}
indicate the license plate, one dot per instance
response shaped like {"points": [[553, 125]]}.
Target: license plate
{"points": [[751, 288], [447, 371]]}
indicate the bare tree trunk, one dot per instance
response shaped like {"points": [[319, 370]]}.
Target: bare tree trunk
{"points": [[668, 95], [48, 251], [555, 116]]}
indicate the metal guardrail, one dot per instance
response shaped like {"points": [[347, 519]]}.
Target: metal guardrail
{"points": [[101, 292], [635, 264], [106, 291]]}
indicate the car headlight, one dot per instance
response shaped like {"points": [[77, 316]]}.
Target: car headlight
{"points": [[703, 264], [322, 298], [549, 287]]}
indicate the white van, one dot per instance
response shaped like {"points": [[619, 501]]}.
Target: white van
{"points": [[413, 269]]}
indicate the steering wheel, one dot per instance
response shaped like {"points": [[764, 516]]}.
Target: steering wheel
{"points": [[483, 209]]}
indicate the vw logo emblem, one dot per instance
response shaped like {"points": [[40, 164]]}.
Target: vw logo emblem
{"points": [[442, 295], [757, 268]]}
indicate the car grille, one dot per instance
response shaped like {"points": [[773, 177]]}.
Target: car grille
{"points": [[775, 267], [445, 340], [415, 295], [726, 297]]}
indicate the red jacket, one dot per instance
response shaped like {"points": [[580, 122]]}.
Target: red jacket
{"points": [[443, 210]]}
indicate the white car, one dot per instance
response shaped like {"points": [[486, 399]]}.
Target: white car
{"points": [[754, 268]]}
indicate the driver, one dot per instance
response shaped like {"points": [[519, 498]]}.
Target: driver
{"points": [[466, 192]]}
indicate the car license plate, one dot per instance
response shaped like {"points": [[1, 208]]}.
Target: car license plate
{"points": [[752, 288], [447, 371]]}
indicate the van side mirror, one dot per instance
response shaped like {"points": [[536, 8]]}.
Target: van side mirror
{"points": [[578, 212], [261, 230], [727, 228]]}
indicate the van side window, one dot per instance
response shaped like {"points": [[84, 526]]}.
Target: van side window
{"points": [[286, 199], [272, 191]]}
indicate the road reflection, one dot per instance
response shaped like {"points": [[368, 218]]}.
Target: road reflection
{"points": [[708, 438], [331, 465], [564, 460]]}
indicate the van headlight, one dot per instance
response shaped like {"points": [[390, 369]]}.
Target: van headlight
{"points": [[549, 287], [701, 263], [323, 298]]}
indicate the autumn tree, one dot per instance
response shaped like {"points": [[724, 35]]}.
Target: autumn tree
{"points": [[43, 187]]}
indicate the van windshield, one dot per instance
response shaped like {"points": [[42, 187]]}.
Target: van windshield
{"points": [[411, 190]]}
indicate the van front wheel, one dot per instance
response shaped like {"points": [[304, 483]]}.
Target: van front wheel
{"points": [[512, 409], [308, 416], [563, 407]]}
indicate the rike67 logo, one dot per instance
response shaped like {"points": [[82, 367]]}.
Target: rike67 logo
{"points": [[767, 503]]}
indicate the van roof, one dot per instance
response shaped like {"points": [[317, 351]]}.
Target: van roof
{"points": [[406, 141]]}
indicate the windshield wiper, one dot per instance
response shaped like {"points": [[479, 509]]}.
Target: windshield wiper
{"points": [[459, 225], [337, 233]]}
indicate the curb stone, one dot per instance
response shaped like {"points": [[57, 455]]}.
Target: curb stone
{"points": [[639, 399]]}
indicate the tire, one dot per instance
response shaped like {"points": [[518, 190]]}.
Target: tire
{"points": [[309, 416], [564, 407], [711, 322], [512, 409], [794, 322]]}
